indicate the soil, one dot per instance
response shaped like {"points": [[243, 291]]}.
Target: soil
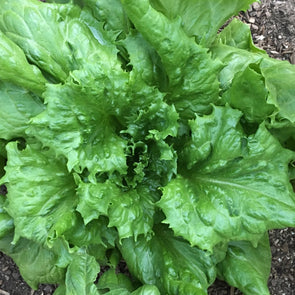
{"points": [[272, 24]]}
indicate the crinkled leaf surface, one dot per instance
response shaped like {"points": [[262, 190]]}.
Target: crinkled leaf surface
{"points": [[40, 30], [234, 188], [169, 263], [41, 183], [234, 59], [197, 86], [247, 267], [122, 134], [111, 13], [93, 233], [279, 80], [249, 94], [15, 68], [276, 77], [81, 274], [238, 34], [201, 18], [131, 212], [83, 131], [17, 107]]}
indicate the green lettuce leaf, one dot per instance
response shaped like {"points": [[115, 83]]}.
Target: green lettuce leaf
{"points": [[199, 18], [110, 280], [41, 183], [84, 131], [17, 107], [6, 222], [47, 46], [192, 73], [111, 13], [111, 283], [234, 59], [131, 212], [249, 94], [95, 233], [169, 263], [81, 274], [238, 34], [279, 80], [146, 290], [37, 264], [273, 77], [247, 267], [142, 61], [15, 68], [233, 187]]}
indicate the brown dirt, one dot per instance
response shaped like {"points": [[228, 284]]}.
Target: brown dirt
{"points": [[273, 27]]}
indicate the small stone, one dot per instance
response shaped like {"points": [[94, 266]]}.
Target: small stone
{"points": [[254, 27], [251, 20], [256, 6]]}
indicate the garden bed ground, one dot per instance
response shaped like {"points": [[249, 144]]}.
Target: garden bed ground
{"points": [[273, 26]]}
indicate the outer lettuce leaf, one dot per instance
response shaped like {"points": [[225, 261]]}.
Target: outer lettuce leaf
{"points": [[37, 264], [277, 76], [249, 94], [146, 290], [69, 43], [83, 131], [201, 18], [192, 73], [246, 267], [47, 46], [81, 274], [110, 280], [234, 188], [131, 212], [235, 60], [95, 56], [279, 81], [15, 68], [169, 263], [41, 183], [284, 130], [274, 76], [17, 106], [119, 284], [238, 34]]}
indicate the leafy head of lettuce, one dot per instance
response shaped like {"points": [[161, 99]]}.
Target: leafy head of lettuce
{"points": [[134, 130]]}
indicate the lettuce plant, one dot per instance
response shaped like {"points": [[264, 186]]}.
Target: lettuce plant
{"points": [[135, 130]]}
